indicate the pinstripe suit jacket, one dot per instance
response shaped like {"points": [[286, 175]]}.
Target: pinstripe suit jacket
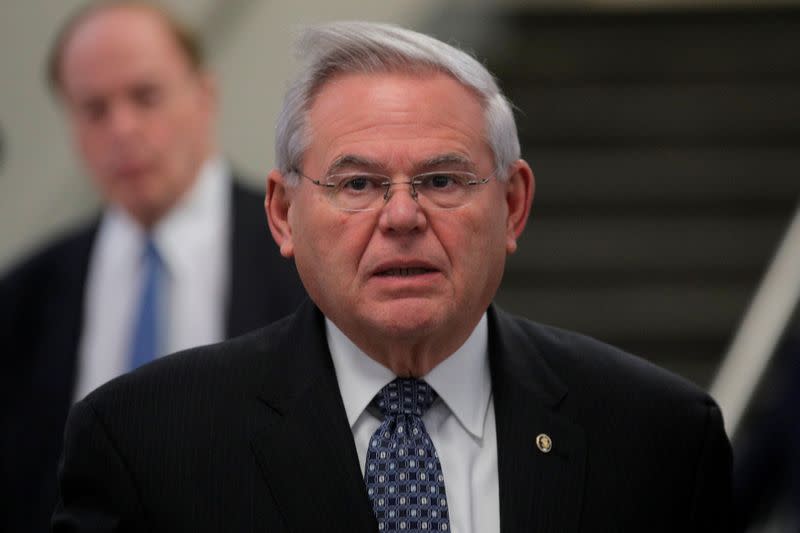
{"points": [[251, 435]]}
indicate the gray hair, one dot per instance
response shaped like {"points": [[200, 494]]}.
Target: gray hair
{"points": [[363, 47]]}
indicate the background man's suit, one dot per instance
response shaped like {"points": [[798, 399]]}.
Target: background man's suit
{"points": [[251, 435], [41, 307]]}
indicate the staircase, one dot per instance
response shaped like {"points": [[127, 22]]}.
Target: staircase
{"points": [[666, 147]]}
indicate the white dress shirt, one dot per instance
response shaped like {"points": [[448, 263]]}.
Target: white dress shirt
{"points": [[461, 422], [194, 242]]}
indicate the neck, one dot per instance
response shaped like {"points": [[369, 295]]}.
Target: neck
{"points": [[410, 356], [147, 216], [409, 363], [148, 219]]}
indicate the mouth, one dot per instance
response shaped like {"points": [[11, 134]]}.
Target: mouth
{"points": [[131, 168], [404, 272]]}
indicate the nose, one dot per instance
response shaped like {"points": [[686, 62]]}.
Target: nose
{"points": [[123, 120], [402, 213]]}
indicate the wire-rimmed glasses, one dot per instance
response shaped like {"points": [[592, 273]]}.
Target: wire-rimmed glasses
{"points": [[364, 191]]}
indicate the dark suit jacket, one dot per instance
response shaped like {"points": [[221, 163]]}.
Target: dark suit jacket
{"points": [[41, 318], [251, 435]]}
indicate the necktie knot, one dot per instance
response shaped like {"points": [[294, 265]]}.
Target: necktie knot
{"points": [[405, 396], [151, 255]]}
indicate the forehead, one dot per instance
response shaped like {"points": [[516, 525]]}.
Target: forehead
{"points": [[396, 118], [119, 45]]}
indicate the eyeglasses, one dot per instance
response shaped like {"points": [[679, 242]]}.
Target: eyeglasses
{"points": [[362, 191]]}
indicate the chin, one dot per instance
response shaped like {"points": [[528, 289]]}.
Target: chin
{"points": [[407, 319]]}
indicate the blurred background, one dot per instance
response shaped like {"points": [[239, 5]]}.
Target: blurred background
{"points": [[664, 136]]}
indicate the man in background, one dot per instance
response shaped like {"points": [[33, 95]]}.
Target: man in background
{"points": [[180, 255]]}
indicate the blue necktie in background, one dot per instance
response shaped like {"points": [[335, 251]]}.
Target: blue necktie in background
{"points": [[147, 332], [403, 474]]}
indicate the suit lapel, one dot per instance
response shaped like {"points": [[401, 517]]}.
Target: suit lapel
{"points": [[57, 351], [306, 452], [539, 491]]}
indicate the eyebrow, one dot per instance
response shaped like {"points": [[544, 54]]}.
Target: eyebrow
{"points": [[350, 160], [447, 159]]}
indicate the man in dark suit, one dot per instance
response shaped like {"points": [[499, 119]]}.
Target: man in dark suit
{"points": [[140, 106], [399, 398]]}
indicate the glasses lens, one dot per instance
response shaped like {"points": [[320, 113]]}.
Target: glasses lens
{"points": [[445, 189], [357, 191]]}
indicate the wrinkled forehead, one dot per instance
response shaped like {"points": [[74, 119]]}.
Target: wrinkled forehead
{"points": [[398, 119], [411, 69]]}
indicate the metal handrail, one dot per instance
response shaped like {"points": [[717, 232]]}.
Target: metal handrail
{"points": [[761, 329]]}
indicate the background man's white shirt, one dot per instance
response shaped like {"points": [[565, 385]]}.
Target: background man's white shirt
{"points": [[194, 242]]}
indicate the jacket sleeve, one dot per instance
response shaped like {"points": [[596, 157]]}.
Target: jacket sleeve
{"points": [[712, 508], [97, 491]]}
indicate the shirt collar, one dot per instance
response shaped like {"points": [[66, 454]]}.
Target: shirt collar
{"points": [[462, 380], [360, 377], [199, 218]]}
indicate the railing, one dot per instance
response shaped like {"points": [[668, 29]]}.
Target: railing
{"points": [[764, 322]]}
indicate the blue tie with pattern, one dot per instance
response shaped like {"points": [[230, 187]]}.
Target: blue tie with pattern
{"points": [[146, 334], [403, 474]]}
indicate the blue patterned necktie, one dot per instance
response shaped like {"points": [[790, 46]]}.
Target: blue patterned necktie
{"points": [[403, 474], [146, 334]]}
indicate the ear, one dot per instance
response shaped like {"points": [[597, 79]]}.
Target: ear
{"points": [[277, 204], [519, 196]]}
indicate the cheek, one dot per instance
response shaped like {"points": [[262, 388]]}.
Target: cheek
{"points": [[317, 235], [97, 158], [90, 142], [174, 145], [327, 255], [478, 252], [166, 137], [463, 238], [344, 243], [170, 127]]}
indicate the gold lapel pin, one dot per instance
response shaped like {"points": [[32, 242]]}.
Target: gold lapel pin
{"points": [[544, 442]]}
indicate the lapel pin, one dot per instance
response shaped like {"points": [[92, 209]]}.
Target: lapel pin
{"points": [[544, 442]]}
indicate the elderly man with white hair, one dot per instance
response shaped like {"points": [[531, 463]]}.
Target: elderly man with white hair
{"points": [[399, 397]]}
